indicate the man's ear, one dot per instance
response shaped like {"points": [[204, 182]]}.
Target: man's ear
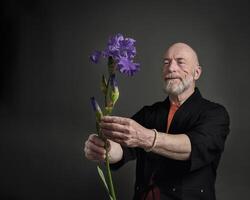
{"points": [[197, 72]]}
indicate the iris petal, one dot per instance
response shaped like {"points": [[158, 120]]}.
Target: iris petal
{"points": [[127, 67]]}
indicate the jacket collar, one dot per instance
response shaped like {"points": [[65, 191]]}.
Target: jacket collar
{"points": [[182, 112]]}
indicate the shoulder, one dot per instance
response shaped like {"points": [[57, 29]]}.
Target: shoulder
{"points": [[155, 106], [213, 106], [149, 112], [209, 108]]}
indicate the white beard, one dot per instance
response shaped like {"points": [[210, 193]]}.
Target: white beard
{"points": [[173, 88]]}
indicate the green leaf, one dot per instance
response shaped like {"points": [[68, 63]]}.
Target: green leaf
{"points": [[103, 179], [104, 85]]}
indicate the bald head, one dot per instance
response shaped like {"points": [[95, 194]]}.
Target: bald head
{"points": [[182, 50]]}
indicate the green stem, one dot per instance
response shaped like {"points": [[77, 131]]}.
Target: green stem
{"points": [[109, 175], [110, 182]]}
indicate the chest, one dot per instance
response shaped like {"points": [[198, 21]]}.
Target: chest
{"points": [[184, 119]]}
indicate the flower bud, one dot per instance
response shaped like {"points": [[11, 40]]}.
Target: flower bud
{"points": [[104, 85], [108, 110], [96, 108], [114, 93]]}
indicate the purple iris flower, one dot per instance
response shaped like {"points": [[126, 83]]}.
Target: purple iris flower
{"points": [[123, 51], [119, 47], [127, 67], [128, 49]]}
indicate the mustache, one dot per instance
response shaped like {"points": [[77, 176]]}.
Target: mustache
{"points": [[172, 76]]}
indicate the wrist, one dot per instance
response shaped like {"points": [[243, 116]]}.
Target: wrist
{"points": [[150, 140]]}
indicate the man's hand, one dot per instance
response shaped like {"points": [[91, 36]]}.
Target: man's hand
{"points": [[95, 151], [129, 133], [94, 148], [126, 132]]}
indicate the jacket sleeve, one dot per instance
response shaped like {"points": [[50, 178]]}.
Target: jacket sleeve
{"points": [[130, 153], [208, 137]]}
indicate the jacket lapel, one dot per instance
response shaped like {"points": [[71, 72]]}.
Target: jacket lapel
{"points": [[183, 116], [162, 115]]}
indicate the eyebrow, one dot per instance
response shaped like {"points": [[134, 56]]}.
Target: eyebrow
{"points": [[178, 59]]}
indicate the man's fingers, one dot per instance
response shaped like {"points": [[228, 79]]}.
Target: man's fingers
{"points": [[95, 156], [114, 126], [110, 134], [113, 135], [96, 140], [92, 147], [115, 119]]}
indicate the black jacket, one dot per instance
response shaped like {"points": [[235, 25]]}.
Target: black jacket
{"points": [[207, 126]]}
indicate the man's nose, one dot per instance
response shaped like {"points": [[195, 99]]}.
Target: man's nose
{"points": [[172, 66]]}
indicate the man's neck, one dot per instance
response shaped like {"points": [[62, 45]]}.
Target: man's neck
{"points": [[181, 98]]}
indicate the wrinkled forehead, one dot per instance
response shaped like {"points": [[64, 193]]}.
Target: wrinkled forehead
{"points": [[181, 51]]}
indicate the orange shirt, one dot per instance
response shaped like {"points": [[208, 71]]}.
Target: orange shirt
{"points": [[172, 110]]}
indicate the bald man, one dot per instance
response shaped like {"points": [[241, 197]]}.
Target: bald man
{"points": [[177, 143]]}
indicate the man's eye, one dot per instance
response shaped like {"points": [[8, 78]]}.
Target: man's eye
{"points": [[166, 62]]}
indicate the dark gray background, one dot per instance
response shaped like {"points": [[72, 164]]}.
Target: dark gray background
{"points": [[46, 80]]}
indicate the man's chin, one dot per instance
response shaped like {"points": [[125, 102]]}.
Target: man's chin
{"points": [[173, 89]]}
